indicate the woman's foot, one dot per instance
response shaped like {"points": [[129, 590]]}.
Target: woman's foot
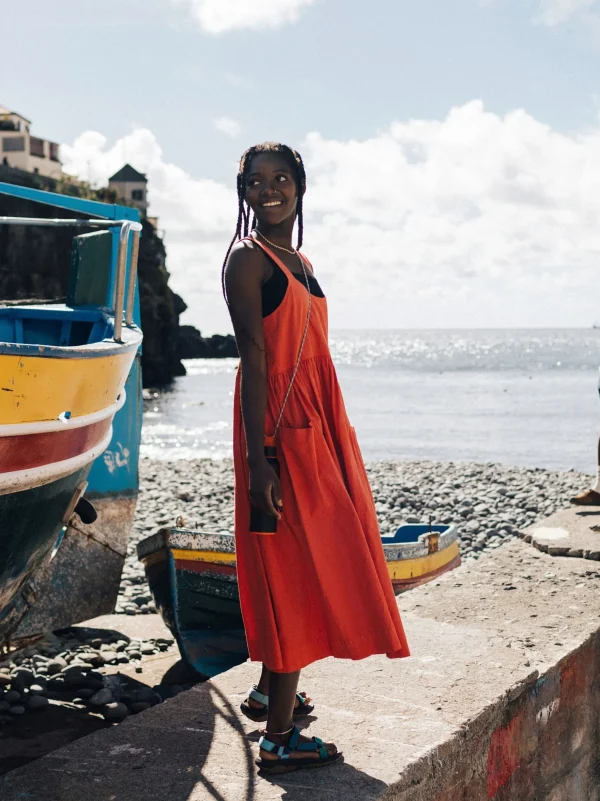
{"points": [[256, 706], [289, 751], [588, 498]]}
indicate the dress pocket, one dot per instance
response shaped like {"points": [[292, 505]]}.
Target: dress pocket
{"points": [[313, 485], [297, 453]]}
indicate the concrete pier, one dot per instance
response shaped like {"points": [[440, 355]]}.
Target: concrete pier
{"points": [[500, 700]]}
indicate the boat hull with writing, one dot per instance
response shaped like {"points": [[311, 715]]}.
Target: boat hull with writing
{"points": [[193, 580]]}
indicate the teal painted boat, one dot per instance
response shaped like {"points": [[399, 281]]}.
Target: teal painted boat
{"points": [[193, 579], [70, 423]]}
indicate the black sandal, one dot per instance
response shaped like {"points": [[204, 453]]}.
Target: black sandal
{"points": [[260, 715], [283, 763]]}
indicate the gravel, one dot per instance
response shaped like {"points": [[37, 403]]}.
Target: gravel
{"points": [[488, 503]]}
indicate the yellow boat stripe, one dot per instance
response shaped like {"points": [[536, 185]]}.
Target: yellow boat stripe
{"points": [[400, 569], [33, 388], [414, 568], [204, 556]]}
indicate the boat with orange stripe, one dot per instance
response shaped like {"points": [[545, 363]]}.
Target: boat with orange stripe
{"points": [[193, 579]]}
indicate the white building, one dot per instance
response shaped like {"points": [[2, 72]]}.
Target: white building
{"points": [[18, 148]]}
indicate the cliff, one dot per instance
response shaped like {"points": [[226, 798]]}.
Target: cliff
{"points": [[34, 265]]}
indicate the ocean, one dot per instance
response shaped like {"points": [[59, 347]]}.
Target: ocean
{"points": [[517, 397]]}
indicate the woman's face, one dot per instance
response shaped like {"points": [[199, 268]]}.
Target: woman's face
{"points": [[271, 190]]}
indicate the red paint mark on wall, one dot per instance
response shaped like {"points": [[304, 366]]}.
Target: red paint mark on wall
{"points": [[504, 755], [575, 678]]}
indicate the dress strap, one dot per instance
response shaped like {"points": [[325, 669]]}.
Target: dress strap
{"points": [[276, 258], [272, 255]]}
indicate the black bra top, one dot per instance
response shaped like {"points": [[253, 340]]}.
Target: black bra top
{"points": [[273, 290]]}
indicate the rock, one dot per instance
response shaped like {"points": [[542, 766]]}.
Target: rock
{"points": [[140, 706], [4, 719], [115, 711], [37, 689], [192, 345], [12, 696], [102, 697], [37, 702], [110, 657], [26, 675], [144, 694], [5, 679], [55, 666], [17, 710], [4, 706]]}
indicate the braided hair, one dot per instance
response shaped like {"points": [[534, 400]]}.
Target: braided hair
{"points": [[294, 161]]}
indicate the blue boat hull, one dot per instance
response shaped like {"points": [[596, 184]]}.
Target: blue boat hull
{"points": [[202, 612]]}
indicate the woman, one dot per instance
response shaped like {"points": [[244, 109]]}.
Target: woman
{"points": [[319, 585]]}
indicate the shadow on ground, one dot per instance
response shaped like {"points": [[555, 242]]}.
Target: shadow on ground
{"points": [[36, 734], [164, 754]]}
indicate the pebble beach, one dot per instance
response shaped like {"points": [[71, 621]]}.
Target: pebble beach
{"points": [[489, 503]]}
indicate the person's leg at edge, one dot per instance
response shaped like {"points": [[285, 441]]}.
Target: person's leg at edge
{"points": [[282, 695], [590, 497]]}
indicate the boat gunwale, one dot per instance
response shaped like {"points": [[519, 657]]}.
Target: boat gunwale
{"points": [[132, 336], [170, 539]]}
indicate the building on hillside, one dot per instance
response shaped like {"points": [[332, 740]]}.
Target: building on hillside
{"points": [[20, 149], [131, 187]]}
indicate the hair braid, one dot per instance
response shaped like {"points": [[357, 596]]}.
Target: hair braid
{"points": [[294, 160]]}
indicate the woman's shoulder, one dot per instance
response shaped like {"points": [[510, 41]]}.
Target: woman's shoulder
{"points": [[246, 258]]}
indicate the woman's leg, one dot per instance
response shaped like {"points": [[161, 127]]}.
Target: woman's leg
{"points": [[263, 683], [282, 696], [263, 687]]}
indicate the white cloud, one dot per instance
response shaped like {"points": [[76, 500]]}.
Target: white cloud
{"points": [[220, 16], [472, 220], [555, 12], [228, 126]]}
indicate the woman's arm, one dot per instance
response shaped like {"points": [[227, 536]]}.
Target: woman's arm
{"points": [[244, 275]]}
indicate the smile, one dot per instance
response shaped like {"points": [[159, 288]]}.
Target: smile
{"points": [[271, 203]]}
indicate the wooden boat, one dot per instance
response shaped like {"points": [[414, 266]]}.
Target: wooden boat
{"points": [[416, 554], [70, 422], [192, 577]]}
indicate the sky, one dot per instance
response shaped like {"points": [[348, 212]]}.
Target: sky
{"points": [[452, 147]]}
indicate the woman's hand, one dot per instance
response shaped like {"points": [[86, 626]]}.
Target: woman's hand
{"points": [[265, 491]]}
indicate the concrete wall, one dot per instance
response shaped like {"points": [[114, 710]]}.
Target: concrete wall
{"points": [[540, 743]]}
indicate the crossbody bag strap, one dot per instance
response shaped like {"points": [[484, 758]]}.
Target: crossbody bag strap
{"points": [[297, 365]]}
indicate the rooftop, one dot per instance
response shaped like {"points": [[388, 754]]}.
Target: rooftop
{"points": [[4, 110], [128, 173]]}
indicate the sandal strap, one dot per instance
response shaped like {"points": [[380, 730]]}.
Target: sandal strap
{"points": [[301, 699], [284, 751], [281, 750], [258, 697]]}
